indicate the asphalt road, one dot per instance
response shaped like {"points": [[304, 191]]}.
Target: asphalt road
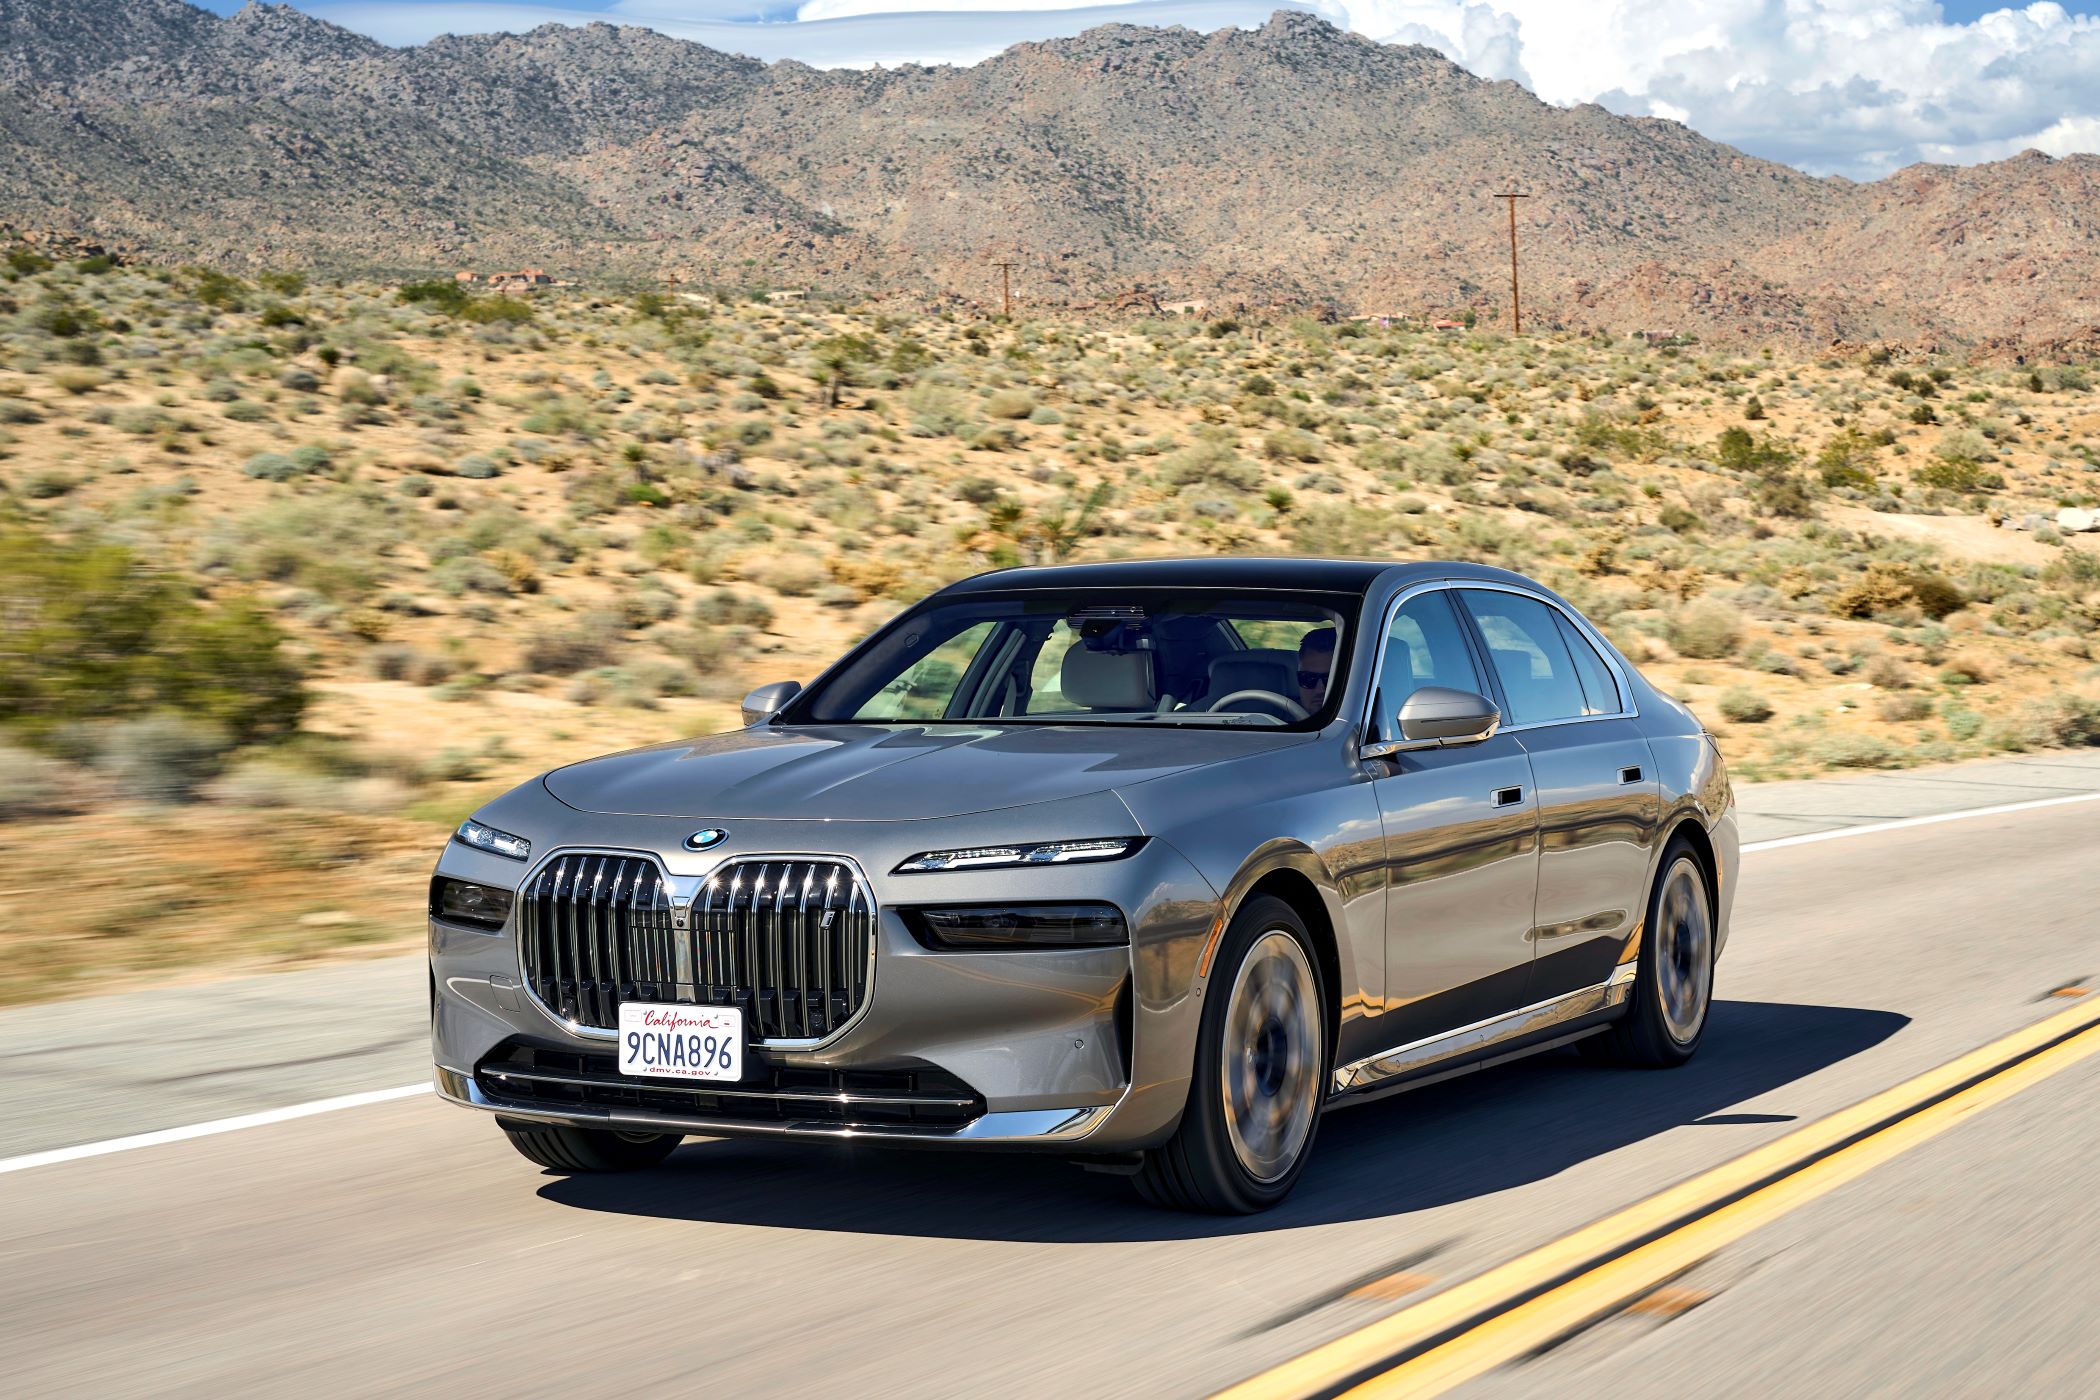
{"points": [[402, 1246]]}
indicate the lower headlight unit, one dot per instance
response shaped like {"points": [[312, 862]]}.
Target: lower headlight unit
{"points": [[464, 902], [1018, 927]]}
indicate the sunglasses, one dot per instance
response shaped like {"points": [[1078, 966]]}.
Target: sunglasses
{"points": [[1311, 680]]}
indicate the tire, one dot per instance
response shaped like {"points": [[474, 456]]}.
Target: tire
{"points": [[1673, 987], [1260, 1073], [582, 1150]]}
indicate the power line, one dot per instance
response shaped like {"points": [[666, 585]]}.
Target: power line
{"points": [[1516, 306], [1006, 286]]}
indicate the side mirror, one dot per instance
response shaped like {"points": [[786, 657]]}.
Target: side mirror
{"points": [[769, 700], [1436, 717]]}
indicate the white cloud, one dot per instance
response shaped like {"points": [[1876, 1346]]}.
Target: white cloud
{"points": [[1850, 86]]}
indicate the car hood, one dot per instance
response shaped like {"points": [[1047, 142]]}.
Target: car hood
{"points": [[882, 773]]}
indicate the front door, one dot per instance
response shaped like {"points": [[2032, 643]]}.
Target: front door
{"points": [[1461, 843], [1599, 799]]}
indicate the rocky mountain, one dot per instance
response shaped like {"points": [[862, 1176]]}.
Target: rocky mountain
{"points": [[1290, 166]]}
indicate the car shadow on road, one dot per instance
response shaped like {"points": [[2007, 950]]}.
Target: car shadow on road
{"points": [[1462, 1139]]}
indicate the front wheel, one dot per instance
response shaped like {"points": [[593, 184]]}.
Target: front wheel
{"points": [[560, 1148], [1260, 1074], [1674, 984]]}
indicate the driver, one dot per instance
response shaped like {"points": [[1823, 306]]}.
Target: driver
{"points": [[1315, 664]]}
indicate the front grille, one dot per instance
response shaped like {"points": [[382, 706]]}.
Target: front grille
{"points": [[787, 941], [921, 1097]]}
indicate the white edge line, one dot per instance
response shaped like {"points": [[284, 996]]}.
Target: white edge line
{"points": [[1871, 828], [211, 1129], [406, 1091]]}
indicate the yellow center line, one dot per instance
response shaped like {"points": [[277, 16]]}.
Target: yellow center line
{"points": [[1523, 1329], [1860, 1135]]}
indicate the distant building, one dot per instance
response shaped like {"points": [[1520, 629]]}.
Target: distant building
{"points": [[464, 278], [1183, 308], [522, 280], [1446, 324]]}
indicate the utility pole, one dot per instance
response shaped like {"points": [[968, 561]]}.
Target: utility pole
{"points": [[1006, 286], [1516, 306]]}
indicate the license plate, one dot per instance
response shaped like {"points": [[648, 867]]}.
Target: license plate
{"points": [[681, 1042]]}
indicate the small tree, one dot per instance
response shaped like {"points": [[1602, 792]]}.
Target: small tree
{"points": [[837, 356]]}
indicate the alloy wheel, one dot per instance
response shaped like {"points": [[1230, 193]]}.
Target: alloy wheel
{"points": [[1273, 1056], [1684, 951]]}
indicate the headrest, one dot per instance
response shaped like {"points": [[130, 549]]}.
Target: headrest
{"points": [[1263, 669], [1108, 680]]}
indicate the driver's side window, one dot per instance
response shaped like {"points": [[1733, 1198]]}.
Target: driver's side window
{"points": [[1426, 645]]}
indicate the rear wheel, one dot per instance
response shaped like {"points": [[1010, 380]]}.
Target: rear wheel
{"points": [[1674, 983], [576, 1150], [1260, 1074]]}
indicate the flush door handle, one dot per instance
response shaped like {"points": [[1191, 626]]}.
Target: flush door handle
{"points": [[1629, 775], [1509, 796]]}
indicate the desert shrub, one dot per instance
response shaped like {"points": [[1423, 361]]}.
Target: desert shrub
{"points": [[476, 468], [1905, 707], [398, 661], [93, 635], [977, 490], [493, 310], [1936, 595], [725, 607], [1887, 586], [1888, 673], [79, 381], [1706, 630], [48, 484], [247, 411], [1291, 445], [1742, 705], [1010, 403], [34, 785], [564, 652], [160, 757], [140, 421], [795, 576], [1209, 462], [1854, 751]]}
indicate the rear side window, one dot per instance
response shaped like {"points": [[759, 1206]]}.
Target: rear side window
{"points": [[1426, 645], [1598, 688], [1529, 656]]}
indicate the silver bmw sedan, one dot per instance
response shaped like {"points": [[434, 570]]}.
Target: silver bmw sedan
{"points": [[1145, 864]]}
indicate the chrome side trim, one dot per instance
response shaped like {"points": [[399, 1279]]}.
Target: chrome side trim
{"points": [[1026, 1127], [1483, 1035]]}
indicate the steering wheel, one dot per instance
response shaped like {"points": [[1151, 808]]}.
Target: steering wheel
{"points": [[1291, 708]]}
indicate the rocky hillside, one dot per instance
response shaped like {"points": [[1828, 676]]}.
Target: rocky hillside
{"points": [[1284, 166]]}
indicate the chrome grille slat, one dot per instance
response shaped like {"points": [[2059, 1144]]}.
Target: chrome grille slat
{"points": [[786, 940]]}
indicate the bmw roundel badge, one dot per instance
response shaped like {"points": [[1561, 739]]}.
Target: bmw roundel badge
{"points": [[706, 838]]}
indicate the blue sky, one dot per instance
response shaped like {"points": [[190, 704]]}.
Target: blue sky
{"points": [[1852, 87]]}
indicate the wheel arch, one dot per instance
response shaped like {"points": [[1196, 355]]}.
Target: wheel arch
{"points": [[1296, 876]]}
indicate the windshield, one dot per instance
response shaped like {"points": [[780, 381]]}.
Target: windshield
{"points": [[1123, 656]]}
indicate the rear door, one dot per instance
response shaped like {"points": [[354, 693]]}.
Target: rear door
{"points": [[1599, 800], [1461, 841]]}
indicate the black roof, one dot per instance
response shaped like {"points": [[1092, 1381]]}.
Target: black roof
{"points": [[1322, 575]]}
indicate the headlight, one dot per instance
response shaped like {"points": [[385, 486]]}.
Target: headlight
{"points": [[464, 902], [487, 838], [1018, 926], [1039, 853]]}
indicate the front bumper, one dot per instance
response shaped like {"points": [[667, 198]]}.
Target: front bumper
{"points": [[1084, 1050], [1046, 1127]]}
